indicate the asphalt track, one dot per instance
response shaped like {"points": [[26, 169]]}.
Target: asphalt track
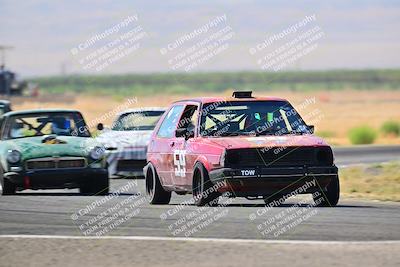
{"points": [[239, 223], [345, 156], [50, 213]]}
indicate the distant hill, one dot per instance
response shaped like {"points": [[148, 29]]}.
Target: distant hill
{"points": [[145, 84]]}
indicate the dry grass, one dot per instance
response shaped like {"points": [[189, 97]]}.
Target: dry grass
{"points": [[341, 110], [379, 181]]}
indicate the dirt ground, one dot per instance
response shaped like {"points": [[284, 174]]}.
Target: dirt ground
{"points": [[333, 113]]}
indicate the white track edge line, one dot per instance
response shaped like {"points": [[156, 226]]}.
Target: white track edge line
{"points": [[190, 239]]}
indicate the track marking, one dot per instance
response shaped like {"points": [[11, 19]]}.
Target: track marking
{"points": [[218, 240]]}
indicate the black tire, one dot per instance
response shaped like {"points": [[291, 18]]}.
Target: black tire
{"points": [[201, 187], [330, 196], [98, 186], [154, 191], [84, 189], [7, 188], [273, 198], [103, 185]]}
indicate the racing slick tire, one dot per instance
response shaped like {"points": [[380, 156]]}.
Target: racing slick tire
{"points": [[99, 186], [154, 190], [7, 188], [330, 196], [203, 193]]}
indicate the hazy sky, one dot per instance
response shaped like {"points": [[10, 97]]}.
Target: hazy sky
{"points": [[355, 34]]}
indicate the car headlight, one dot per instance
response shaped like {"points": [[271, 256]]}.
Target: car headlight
{"points": [[13, 156], [97, 152]]}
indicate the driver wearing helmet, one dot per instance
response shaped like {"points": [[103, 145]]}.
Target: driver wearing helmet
{"points": [[61, 126], [17, 130]]}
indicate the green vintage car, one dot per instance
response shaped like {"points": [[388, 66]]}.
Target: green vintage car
{"points": [[46, 149]]}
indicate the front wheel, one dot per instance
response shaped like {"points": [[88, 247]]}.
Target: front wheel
{"points": [[203, 191], [154, 190], [330, 196], [7, 188]]}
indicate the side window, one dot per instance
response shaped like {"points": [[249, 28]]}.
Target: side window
{"points": [[189, 117], [167, 128]]}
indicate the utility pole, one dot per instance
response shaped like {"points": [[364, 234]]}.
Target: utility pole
{"points": [[6, 74], [3, 49]]}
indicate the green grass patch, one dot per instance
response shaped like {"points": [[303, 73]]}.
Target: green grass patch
{"points": [[362, 135], [377, 181], [391, 128]]}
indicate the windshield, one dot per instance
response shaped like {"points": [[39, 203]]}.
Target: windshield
{"points": [[251, 118], [38, 124], [138, 120]]}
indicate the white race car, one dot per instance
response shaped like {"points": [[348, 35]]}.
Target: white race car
{"points": [[127, 139]]}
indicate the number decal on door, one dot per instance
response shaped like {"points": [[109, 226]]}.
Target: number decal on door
{"points": [[180, 163]]}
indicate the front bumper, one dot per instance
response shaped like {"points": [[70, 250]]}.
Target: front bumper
{"points": [[126, 162], [56, 178], [264, 181]]}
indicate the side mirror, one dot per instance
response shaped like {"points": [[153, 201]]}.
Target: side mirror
{"points": [[185, 132], [189, 134], [181, 132], [100, 127], [311, 129]]}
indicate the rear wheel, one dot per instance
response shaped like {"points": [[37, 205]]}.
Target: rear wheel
{"points": [[330, 196], [203, 192], [154, 190]]}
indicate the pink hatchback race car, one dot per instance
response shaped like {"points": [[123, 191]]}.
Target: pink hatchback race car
{"points": [[244, 146]]}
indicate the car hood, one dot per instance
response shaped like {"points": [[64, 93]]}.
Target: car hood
{"points": [[266, 141], [122, 139], [33, 147]]}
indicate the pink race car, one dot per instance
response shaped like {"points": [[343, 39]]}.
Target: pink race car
{"points": [[244, 146]]}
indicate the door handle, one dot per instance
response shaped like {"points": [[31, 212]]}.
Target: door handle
{"points": [[171, 144]]}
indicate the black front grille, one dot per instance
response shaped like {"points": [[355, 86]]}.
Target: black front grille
{"points": [[73, 163], [55, 163], [130, 165], [279, 156], [40, 165]]}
